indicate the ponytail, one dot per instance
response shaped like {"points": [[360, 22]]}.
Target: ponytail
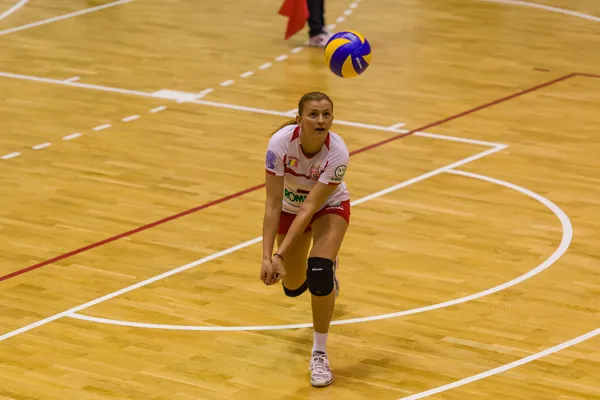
{"points": [[288, 123]]}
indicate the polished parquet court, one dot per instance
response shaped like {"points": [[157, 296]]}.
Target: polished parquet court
{"points": [[132, 140]]}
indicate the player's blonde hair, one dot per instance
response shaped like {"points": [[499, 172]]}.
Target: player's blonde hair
{"points": [[312, 96]]}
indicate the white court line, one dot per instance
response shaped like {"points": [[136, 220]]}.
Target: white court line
{"points": [[548, 351], [158, 109], [506, 367], [238, 108], [347, 123], [74, 310], [13, 9], [78, 85], [11, 155], [450, 138], [398, 125], [206, 91], [566, 239], [125, 290], [63, 17], [340, 19], [178, 96], [42, 146], [547, 8], [72, 79], [130, 118], [567, 230], [431, 173], [101, 127], [564, 245], [73, 136], [282, 57]]}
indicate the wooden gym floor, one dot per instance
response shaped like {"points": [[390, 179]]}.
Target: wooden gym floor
{"points": [[132, 147]]}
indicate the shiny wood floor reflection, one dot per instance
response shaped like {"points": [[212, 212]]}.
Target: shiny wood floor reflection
{"points": [[89, 157]]}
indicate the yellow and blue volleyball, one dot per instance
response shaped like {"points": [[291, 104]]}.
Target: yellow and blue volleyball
{"points": [[348, 54]]}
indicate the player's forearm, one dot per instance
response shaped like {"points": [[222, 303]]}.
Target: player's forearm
{"points": [[270, 223]]}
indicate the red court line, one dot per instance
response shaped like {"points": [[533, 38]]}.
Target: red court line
{"points": [[257, 187], [587, 75], [462, 114], [131, 232]]}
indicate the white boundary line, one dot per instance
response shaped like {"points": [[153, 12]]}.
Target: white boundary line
{"points": [[13, 9], [284, 57], [506, 367], [567, 234], [440, 389], [348, 123], [564, 245], [63, 17], [72, 311], [398, 125], [11, 155], [237, 108], [565, 242], [72, 136], [130, 118], [547, 8], [42, 146], [80, 85]]}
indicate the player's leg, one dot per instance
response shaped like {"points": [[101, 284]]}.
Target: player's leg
{"points": [[294, 283], [328, 230]]}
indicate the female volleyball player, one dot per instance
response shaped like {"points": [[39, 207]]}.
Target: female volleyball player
{"points": [[307, 199]]}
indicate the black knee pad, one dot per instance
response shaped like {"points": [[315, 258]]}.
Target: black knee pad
{"points": [[295, 292], [320, 276]]}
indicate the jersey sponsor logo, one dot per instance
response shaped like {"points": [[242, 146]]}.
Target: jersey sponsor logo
{"points": [[271, 158], [294, 197]]}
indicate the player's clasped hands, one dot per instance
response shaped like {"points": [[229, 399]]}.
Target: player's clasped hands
{"points": [[272, 271]]}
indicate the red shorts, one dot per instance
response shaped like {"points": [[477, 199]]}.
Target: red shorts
{"points": [[342, 209]]}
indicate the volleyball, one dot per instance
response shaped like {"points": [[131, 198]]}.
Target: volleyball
{"points": [[348, 54]]}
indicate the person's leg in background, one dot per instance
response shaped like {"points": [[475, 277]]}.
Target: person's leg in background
{"points": [[318, 35]]}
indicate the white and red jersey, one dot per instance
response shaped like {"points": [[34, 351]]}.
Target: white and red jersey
{"points": [[286, 158]]}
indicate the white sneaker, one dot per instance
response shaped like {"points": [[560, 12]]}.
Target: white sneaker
{"points": [[320, 373], [319, 40]]}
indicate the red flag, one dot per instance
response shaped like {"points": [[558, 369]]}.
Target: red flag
{"points": [[297, 12]]}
